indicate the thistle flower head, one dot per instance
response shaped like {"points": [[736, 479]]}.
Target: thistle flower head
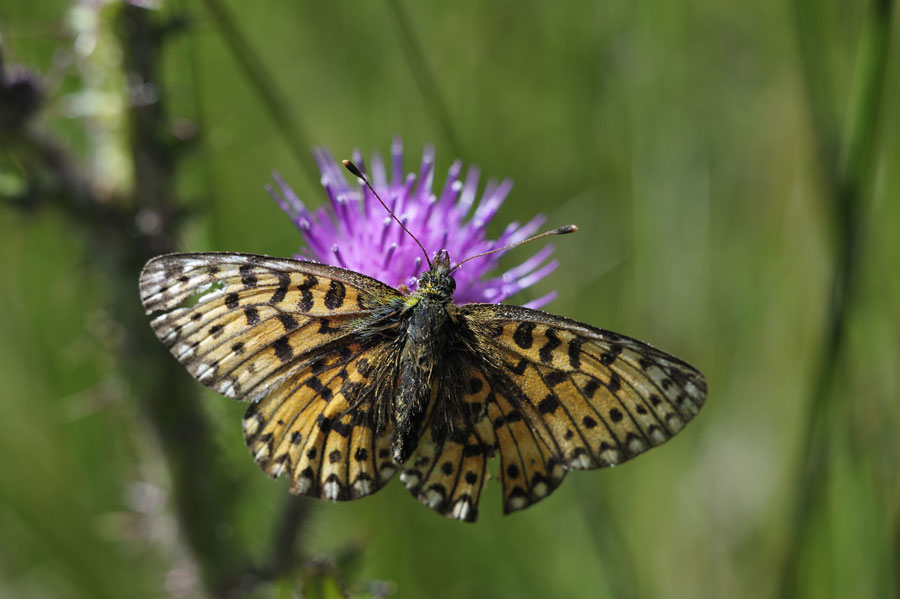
{"points": [[353, 231]]}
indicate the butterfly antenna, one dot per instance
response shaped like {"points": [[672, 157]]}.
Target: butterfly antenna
{"points": [[558, 231], [357, 173]]}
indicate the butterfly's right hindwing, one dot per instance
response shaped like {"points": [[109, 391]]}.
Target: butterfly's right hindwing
{"points": [[319, 427]]}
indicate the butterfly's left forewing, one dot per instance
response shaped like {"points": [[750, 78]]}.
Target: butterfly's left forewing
{"points": [[593, 398]]}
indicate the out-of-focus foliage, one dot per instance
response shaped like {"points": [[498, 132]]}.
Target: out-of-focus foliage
{"points": [[678, 136]]}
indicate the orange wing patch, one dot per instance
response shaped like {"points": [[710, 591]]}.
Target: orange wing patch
{"points": [[528, 469], [317, 428]]}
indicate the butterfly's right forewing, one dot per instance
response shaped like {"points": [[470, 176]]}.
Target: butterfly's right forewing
{"points": [[242, 323]]}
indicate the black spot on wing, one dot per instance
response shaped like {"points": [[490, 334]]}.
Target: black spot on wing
{"points": [[325, 327], [283, 349], [546, 352], [519, 368], [339, 427], [575, 353], [615, 383], [248, 279], [555, 377], [284, 282], [523, 335], [549, 404], [288, 322], [513, 416], [305, 303], [334, 298], [609, 356], [474, 449]]}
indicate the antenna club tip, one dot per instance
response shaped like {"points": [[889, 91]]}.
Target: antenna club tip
{"points": [[565, 230], [352, 168]]}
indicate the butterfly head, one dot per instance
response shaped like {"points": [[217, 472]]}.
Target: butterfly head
{"points": [[437, 280]]}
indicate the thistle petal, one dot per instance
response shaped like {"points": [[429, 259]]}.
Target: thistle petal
{"points": [[352, 230]]}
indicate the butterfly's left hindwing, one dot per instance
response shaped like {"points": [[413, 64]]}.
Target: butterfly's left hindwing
{"points": [[448, 469]]}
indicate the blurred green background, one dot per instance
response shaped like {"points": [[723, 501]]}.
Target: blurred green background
{"points": [[734, 169]]}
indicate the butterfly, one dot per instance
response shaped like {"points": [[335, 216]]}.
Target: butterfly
{"points": [[350, 380]]}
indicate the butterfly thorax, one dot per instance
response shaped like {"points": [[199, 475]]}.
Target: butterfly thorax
{"points": [[424, 354]]}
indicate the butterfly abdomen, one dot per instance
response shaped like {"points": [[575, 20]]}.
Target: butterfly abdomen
{"points": [[425, 343]]}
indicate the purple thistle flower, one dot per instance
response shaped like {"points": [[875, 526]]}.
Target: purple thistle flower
{"points": [[355, 232]]}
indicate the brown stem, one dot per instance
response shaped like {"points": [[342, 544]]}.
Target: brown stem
{"points": [[124, 233]]}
